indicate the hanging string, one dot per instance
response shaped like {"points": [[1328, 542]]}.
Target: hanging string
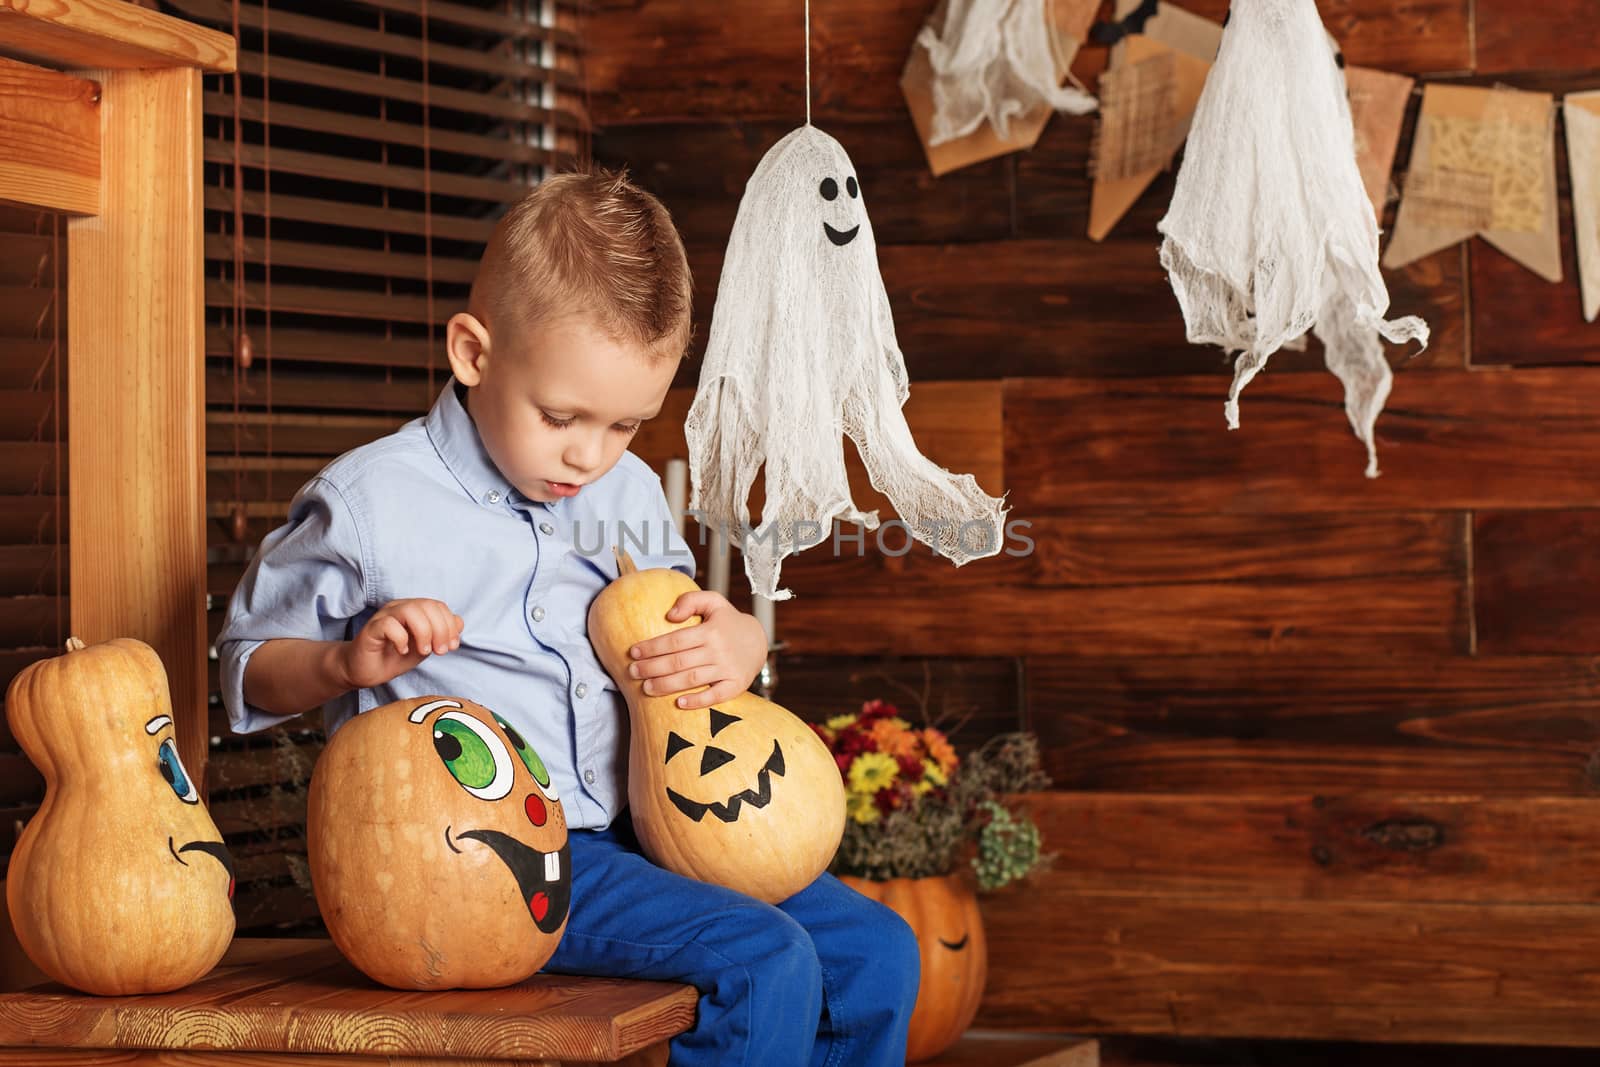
{"points": [[808, 63], [427, 196], [241, 345], [266, 211], [55, 367]]}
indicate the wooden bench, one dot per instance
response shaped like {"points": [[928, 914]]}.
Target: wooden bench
{"points": [[298, 1002]]}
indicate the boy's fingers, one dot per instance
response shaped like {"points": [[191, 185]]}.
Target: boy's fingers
{"points": [[700, 602], [441, 627], [703, 674], [669, 663], [417, 621], [716, 694], [393, 631], [657, 646]]}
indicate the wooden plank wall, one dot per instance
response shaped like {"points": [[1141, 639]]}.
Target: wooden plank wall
{"points": [[1325, 747]]}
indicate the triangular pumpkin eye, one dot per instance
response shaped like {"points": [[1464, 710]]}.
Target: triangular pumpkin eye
{"points": [[675, 745], [720, 719], [713, 758]]}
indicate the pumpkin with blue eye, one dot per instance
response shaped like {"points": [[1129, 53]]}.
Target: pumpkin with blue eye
{"points": [[433, 800], [120, 884]]}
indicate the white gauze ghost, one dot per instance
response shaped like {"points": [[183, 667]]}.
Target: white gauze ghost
{"points": [[994, 61], [1270, 232], [802, 352]]}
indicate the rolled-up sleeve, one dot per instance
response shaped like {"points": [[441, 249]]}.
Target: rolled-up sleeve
{"points": [[306, 581]]}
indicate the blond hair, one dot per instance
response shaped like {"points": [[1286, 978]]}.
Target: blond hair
{"points": [[589, 242]]}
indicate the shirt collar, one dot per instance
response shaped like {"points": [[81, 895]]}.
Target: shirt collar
{"points": [[456, 439]]}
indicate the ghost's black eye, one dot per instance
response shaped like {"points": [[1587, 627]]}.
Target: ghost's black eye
{"points": [[829, 189], [851, 187]]}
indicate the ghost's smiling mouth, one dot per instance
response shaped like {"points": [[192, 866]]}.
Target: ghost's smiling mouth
{"points": [[541, 876], [841, 237]]}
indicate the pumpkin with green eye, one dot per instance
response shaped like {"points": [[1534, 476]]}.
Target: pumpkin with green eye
{"points": [[120, 884], [438, 847]]}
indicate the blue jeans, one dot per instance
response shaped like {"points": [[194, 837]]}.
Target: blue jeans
{"points": [[826, 978]]}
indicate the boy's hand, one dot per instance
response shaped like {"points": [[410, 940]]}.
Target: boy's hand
{"points": [[399, 636], [724, 651]]}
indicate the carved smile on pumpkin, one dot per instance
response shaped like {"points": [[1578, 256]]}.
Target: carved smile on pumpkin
{"points": [[713, 757], [215, 849], [541, 876]]}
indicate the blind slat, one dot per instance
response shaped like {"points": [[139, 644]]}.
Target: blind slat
{"points": [[338, 257], [356, 392], [317, 300], [470, 103], [328, 346], [375, 42], [384, 131], [387, 175], [332, 212]]}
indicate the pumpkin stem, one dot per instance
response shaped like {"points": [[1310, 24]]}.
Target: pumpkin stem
{"points": [[625, 564], [75, 645]]}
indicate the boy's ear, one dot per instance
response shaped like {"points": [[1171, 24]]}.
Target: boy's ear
{"points": [[467, 345]]}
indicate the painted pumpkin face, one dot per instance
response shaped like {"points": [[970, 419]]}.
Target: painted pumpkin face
{"points": [[120, 884], [943, 912], [438, 847], [742, 794], [725, 770]]}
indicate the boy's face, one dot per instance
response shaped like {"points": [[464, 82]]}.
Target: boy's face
{"points": [[557, 403]]}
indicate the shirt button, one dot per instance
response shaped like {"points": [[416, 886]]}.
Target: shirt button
{"points": [[538, 614], [492, 497], [546, 528], [588, 776], [582, 690]]}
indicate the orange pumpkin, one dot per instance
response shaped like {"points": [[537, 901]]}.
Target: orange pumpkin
{"points": [[743, 794], [120, 883], [943, 912], [438, 847]]}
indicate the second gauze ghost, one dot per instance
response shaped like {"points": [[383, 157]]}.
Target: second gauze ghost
{"points": [[1270, 233], [802, 353]]}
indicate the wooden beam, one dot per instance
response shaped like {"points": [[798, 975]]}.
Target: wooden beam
{"points": [[136, 437], [108, 34], [1369, 919], [49, 139]]}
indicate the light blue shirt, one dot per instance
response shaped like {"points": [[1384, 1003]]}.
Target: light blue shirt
{"points": [[424, 512]]}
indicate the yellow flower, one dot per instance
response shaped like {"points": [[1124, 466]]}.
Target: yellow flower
{"points": [[921, 788], [871, 771], [893, 737], [860, 807], [839, 722], [933, 774]]}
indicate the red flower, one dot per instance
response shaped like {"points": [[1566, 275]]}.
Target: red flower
{"points": [[843, 760], [887, 800], [878, 709], [854, 742], [910, 768]]}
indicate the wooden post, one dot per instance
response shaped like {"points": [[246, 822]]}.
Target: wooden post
{"points": [[135, 386]]}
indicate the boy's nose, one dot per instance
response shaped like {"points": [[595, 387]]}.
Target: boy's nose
{"points": [[584, 456]]}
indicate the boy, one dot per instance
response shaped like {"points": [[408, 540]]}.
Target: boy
{"points": [[459, 555]]}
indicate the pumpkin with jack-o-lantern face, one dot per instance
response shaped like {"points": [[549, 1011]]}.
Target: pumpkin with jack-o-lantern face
{"points": [[438, 847], [743, 794], [942, 910]]}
